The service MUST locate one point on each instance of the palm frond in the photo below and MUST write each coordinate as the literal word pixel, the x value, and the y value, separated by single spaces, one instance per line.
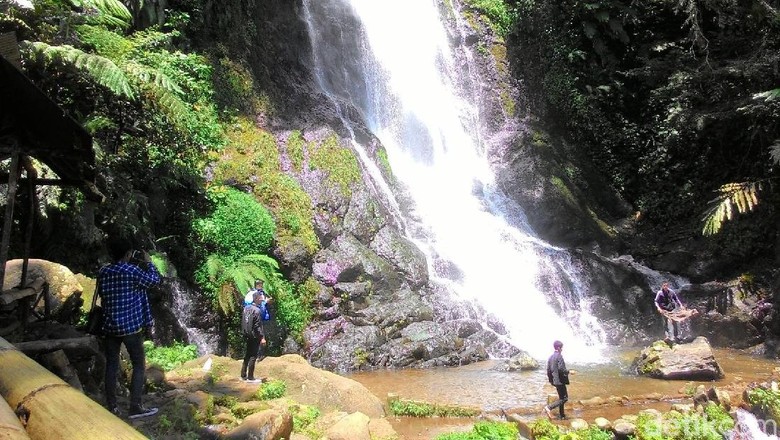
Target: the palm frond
pixel 161 90
pixel 102 70
pixel 109 12
pixel 774 151
pixel 769 95
pixel 743 196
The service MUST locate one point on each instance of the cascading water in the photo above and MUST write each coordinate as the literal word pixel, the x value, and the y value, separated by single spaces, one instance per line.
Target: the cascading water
pixel 392 61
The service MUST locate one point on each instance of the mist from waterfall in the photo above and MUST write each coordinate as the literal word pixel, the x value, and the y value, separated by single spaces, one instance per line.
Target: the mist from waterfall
pixel 392 61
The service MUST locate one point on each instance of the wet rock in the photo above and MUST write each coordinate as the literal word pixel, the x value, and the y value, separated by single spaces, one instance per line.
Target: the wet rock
pixel 602 423
pixel 352 427
pixel 272 424
pixel 578 424
pixel 520 362
pixel 623 429
pixel 682 408
pixel 390 244
pixel 693 361
pixel 593 401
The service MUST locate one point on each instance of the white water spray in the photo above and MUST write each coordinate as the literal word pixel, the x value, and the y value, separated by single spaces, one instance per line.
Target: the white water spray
pixel 392 61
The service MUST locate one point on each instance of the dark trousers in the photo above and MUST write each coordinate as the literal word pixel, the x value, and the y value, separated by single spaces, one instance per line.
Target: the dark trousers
pixel 135 348
pixel 563 397
pixel 250 357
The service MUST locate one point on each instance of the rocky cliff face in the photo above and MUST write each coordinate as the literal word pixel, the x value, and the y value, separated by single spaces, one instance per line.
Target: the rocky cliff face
pixel 377 305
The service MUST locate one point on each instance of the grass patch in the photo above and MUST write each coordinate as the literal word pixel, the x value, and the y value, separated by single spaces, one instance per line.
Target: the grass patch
pixel 169 357
pixel 404 407
pixel 271 390
pixel 485 431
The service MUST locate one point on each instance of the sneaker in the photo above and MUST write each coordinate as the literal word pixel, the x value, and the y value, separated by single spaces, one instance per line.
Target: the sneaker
pixel 253 380
pixel 561 418
pixel 547 412
pixel 142 411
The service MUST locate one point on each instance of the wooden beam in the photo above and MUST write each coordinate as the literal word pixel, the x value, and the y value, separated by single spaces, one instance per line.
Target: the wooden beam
pixel 52 408
pixel 9 214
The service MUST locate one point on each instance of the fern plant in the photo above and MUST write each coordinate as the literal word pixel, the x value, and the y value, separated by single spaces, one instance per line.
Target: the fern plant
pixel 742 197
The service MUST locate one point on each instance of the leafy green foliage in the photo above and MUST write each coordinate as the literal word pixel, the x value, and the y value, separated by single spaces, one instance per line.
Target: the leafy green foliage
pixel 405 407
pixel 271 390
pixel 544 429
pixel 234 238
pixel 767 400
pixel 238 226
pixel 742 196
pixel 102 70
pixel 655 106
pixel 498 13
pixel 304 417
pixel 484 431
pixel 169 357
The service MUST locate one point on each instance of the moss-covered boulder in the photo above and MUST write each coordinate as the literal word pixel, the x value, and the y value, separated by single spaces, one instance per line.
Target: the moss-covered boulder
pixel 692 361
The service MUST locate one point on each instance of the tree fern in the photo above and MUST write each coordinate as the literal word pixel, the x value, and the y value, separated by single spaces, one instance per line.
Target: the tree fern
pixel 231 278
pixel 110 13
pixel 742 196
pixel 102 70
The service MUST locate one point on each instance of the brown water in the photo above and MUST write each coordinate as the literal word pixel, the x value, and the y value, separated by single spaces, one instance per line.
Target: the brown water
pixel 526 392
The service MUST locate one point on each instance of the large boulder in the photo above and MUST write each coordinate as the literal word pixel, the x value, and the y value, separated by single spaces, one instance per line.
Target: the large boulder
pixel 62 282
pixel 693 361
pixel 323 389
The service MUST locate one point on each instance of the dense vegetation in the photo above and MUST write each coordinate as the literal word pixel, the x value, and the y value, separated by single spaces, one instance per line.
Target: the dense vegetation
pixel 160 112
pixel 673 99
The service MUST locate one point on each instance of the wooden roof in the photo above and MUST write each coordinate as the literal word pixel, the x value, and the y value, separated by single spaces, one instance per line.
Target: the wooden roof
pixel 34 125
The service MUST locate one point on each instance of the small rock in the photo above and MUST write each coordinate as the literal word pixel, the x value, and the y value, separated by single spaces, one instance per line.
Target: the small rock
pixel 578 424
pixel 602 423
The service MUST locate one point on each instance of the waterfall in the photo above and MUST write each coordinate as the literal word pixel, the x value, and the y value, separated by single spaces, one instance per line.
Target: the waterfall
pixel 190 319
pixel 392 62
pixel 749 428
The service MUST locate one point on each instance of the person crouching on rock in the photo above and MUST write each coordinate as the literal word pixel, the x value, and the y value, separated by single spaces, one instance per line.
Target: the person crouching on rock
pixel 667 301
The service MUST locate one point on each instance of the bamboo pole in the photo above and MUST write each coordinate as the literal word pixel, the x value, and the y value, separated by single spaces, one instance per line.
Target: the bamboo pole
pixel 53 409
pixel 10 426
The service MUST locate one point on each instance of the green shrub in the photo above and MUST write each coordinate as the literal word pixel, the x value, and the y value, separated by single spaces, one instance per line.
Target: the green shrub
pixel 766 400
pixel 544 429
pixel 304 417
pixel 271 390
pixel 485 431
pixel 169 357
pixel 238 225
pixel 404 407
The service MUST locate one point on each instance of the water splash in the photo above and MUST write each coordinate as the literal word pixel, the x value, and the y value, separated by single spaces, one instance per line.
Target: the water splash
pixel 392 62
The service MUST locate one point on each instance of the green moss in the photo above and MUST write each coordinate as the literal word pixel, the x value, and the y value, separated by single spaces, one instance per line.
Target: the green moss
pixel 340 164
pixel 508 103
pixel 384 161
pixel 295 144
pixel 293 210
pixel 252 159
pixel 564 190
pixel 540 139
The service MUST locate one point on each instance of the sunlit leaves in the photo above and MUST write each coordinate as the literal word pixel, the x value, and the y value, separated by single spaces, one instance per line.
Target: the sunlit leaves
pixel 102 70
pixel 740 197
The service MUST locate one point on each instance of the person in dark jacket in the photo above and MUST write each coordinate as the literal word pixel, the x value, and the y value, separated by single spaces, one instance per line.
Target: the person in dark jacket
pixel 252 329
pixel 558 376
pixel 667 301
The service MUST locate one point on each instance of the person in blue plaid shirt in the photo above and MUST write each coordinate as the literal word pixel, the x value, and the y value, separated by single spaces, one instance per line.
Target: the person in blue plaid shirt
pixel 122 288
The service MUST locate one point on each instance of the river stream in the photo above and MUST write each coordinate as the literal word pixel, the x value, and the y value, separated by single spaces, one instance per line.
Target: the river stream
pixel 526 392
